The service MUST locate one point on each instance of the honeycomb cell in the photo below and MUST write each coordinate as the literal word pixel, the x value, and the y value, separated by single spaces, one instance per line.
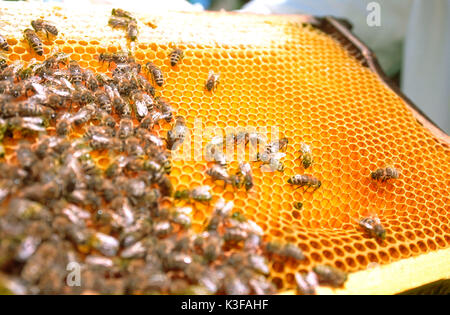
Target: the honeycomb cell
pixel 306 84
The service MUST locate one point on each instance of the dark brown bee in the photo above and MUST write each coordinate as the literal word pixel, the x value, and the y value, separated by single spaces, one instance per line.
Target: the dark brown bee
pixel 143 104
pixel 305 180
pixel 306 155
pixel 123 14
pixel 165 109
pixel 201 194
pixel 118 22
pixel 3 43
pixel 40 25
pixel 246 171
pixel 104 79
pixel 91 80
pixel 212 82
pixel 218 172
pixel 76 75
pixel 132 30
pixel 373 226
pixel 144 85
pixel 125 128
pixel 119 104
pixel 105 119
pixel 63 126
pixel 156 73
pixel 385 174
pixel 176 136
pixel 103 101
pixel 331 276
pixel 25 108
pixel 84 114
pixel 56 59
pixel 21 88
pixel 34 41
pixel 117 57
pixel 175 56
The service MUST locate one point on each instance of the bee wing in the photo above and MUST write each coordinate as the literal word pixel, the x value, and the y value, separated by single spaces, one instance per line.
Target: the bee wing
pixel 141 108
pixel 67 84
pixel 278 155
pixel 39 89
pixel 109 91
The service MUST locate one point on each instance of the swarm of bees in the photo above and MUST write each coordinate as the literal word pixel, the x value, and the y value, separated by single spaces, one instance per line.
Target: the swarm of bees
pixel 61 206
pixel 124 20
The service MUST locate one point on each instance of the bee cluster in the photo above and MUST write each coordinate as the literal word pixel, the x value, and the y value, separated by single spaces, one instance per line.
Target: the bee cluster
pixel 60 206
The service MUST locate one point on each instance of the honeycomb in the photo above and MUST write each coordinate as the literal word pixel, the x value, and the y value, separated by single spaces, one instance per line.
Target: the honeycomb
pixel 278 72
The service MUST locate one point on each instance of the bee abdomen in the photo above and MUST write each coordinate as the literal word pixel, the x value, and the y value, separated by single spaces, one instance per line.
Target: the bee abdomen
pixel 51 29
pixel 176 56
pixel 156 74
pixel 34 41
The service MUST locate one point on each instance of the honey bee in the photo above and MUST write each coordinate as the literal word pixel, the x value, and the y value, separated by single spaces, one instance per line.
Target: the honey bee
pixel 25 108
pixel 246 171
pixel 291 251
pixel 272 160
pixel 330 276
pixel 373 226
pixel 118 22
pixel 218 172
pixel 165 109
pixel 132 30
pixel 276 146
pixel 156 73
pixel 37 124
pixel 123 14
pixel 91 80
pixel 305 180
pixel 385 174
pixel 103 101
pixel 40 25
pixel 119 57
pixel 56 59
pixel 306 155
pixel 3 43
pixel 201 194
pixel 34 41
pixel 84 114
pixel 63 125
pixel 104 79
pixel 212 82
pixel 144 85
pixel 21 88
pixel 125 128
pixel 177 135
pixel 76 75
pixel 176 56
pixel 120 105
pixel 306 284
pixel 25 155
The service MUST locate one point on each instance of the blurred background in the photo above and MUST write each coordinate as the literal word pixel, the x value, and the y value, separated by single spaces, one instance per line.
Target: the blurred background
pixel 411 38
